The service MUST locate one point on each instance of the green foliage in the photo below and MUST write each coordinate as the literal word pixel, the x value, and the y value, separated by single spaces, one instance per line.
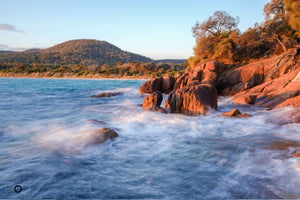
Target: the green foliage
pixel 224 51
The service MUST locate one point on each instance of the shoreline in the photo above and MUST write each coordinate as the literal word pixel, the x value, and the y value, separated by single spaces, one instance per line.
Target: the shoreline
pixel 35 76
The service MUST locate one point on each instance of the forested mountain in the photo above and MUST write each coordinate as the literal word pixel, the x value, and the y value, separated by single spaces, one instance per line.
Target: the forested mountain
pixel 83 51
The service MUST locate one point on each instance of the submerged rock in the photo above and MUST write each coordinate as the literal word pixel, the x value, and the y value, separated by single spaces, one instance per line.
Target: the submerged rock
pixel 97 121
pixel 103 134
pixel 283 144
pixel 153 101
pixel 107 94
pixel 193 100
pixel 235 113
pixel 288 117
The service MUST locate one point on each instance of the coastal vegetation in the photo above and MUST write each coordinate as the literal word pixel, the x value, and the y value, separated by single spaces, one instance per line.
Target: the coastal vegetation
pixel 218 37
pixel 118 70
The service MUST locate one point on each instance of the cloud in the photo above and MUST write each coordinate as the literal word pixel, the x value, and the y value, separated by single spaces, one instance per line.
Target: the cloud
pixel 3 47
pixel 9 27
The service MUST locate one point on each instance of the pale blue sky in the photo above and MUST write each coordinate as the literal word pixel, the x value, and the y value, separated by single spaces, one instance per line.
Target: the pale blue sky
pixel 154 28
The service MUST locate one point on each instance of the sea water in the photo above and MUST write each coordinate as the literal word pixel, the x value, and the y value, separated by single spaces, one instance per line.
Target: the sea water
pixel 46 125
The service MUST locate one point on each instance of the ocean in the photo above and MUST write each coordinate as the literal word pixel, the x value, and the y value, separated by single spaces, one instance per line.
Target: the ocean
pixel 46 126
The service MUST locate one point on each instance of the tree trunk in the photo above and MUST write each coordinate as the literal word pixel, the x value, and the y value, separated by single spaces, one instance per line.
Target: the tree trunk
pixel 276 37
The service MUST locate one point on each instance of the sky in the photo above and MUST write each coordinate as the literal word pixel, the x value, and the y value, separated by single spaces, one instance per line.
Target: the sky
pixel 158 29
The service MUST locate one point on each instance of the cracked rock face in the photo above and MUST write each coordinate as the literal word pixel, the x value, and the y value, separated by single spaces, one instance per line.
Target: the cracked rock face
pixel 260 72
pixel 193 100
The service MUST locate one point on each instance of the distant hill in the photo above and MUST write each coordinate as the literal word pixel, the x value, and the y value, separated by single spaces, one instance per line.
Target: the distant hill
pixel 83 51
pixel 6 51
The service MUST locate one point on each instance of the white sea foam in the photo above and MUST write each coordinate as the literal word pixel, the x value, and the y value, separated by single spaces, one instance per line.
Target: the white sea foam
pixel 64 139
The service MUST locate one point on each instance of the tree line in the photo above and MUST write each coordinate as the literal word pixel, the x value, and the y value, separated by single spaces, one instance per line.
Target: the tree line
pixel 134 69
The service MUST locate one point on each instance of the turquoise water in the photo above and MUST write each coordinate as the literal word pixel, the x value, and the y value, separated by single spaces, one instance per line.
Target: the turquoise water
pixel 45 126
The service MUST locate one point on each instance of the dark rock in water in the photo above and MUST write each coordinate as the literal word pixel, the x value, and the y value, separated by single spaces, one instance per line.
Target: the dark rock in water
pixel 162 110
pixel 193 100
pixel 107 94
pixel 152 85
pixel 235 113
pixel 103 134
pixel 97 121
pixel 153 101
pixel 288 117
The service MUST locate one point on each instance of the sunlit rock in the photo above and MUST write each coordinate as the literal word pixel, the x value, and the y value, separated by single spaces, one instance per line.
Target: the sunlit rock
pixel 235 113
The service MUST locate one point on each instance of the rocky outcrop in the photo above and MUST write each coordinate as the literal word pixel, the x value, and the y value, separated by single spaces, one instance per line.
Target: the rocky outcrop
pixel 272 83
pixel 294 101
pixel 235 113
pixel 193 100
pixel 102 135
pixel 107 94
pixel 164 85
pixel 152 85
pixel 153 101
pixel 276 93
pixel 202 74
pixel 251 75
